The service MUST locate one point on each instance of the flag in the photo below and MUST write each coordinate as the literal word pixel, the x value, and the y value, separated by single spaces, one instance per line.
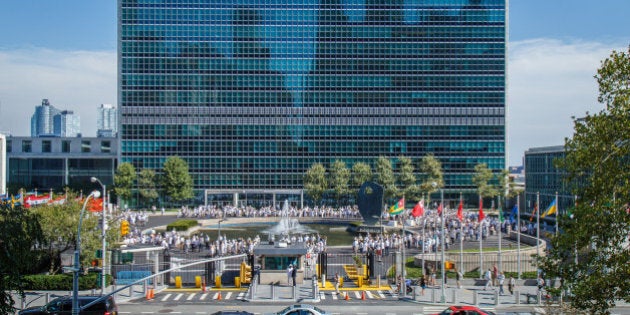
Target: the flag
pixel 501 216
pixel 96 204
pixel 481 215
pixel 514 213
pixel 439 209
pixel 418 209
pixel 460 211
pixel 553 208
pixel 398 208
pixel 531 218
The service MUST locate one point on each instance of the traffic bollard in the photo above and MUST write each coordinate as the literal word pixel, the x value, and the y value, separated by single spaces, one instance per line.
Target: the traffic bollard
pixel 475 298
pixel 454 296
pixel 496 297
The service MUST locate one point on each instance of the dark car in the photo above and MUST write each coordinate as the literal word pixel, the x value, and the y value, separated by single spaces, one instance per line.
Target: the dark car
pixel 231 312
pixel 302 309
pixel 464 310
pixel 63 306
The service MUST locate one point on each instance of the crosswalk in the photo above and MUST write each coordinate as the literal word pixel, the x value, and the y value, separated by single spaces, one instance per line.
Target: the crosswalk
pixel 242 295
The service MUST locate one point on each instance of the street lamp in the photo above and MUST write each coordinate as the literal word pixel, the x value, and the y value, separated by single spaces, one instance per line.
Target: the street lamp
pixel 442 232
pixel 77 254
pixel 103 235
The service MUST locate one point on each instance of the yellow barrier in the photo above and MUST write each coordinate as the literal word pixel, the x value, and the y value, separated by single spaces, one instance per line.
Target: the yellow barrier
pixel 217 282
pixel 360 282
pixel 197 281
pixel 237 282
pixel 340 281
pixel 178 282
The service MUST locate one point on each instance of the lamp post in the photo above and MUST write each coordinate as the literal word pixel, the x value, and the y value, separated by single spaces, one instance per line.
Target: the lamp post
pixel 103 235
pixel 77 254
pixel 443 298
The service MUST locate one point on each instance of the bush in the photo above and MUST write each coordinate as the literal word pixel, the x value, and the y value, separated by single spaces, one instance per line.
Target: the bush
pixel 63 282
pixel 181 225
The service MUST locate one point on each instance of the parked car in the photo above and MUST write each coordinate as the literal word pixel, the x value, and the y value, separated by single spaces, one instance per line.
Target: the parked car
pixel 301 309
pixel 63 306
pixel 464 310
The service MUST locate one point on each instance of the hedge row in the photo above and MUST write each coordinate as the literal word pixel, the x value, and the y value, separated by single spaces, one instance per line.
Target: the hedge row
pixel 181 225
pixel 63 282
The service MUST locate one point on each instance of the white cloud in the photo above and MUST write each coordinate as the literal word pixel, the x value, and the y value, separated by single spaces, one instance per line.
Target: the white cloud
pixel 548 82
pixel 72 80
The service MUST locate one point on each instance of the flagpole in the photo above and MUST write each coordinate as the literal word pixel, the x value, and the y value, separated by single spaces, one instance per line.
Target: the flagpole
pixel 403 285
pixel 443 299
pixel 500 227
pixel 480 242
pixel 461 238
pixel 557 212
pixel 518 236
pixel 537 228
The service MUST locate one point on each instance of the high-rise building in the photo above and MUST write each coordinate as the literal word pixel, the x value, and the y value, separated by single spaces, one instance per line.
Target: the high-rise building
pixel 107 121
pixel 67 124
pixel 42 121
pixel 251 93
pixel 48 121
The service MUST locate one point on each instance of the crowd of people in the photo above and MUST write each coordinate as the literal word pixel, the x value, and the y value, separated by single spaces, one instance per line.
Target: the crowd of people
pixel 214 211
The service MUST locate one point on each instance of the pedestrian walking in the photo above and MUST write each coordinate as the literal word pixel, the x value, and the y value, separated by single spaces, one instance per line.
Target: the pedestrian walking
pixel 294 274
pixel 511 285
pixel 289 274
pixel 495 274
pixel 501 280
pixel 423 283
pixel 540 282
pixel 337 283
pixel 488 277
pixel 458 278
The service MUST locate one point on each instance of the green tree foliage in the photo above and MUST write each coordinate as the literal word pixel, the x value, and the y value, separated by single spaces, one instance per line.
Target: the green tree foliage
pixel 481 178
pixel 597 163
pixel 146 186
pixel 339 179
pixel 60 223
pixel 19 232
pixel 431 170
pixel 176 179
pixel 407 179
pixel 385 177
pixel 361 173
pixel 123 180
pixel 315 182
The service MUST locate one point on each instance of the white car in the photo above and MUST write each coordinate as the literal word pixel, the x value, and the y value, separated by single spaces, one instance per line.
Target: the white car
pixel 301 309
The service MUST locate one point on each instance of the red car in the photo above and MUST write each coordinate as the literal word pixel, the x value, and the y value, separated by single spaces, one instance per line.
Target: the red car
pixel 464 310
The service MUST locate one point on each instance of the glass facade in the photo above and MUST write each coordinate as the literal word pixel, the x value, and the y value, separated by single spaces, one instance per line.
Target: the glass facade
pixel 543 177
pixel 251 93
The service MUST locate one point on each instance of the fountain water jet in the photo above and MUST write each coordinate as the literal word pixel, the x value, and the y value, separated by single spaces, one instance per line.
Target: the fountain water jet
pixel 287 225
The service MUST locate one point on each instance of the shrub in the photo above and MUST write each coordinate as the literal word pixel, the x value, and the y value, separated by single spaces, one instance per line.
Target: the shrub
pixel 63 282
pixel 181 225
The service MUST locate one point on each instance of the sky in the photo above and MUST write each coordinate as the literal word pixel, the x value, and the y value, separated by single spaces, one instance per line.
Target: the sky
pixel 65 51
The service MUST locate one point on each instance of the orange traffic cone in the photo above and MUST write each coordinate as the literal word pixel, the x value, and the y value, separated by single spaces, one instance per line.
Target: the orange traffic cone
pixel 149 294
pixel 363 295
pixel 219 298
pixel 347 297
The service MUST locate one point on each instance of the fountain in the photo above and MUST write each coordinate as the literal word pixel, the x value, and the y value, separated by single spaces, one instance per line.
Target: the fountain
pixel 288 225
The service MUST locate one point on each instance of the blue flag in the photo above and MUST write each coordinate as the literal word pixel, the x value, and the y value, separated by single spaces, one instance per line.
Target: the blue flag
pixel 514 213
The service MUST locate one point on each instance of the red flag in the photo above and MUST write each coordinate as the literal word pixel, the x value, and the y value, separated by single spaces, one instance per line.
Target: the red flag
pixel 481 215
pixel 440 209
pixel 531 218
pixel 96 205
pixel 418 209
pixel 460 211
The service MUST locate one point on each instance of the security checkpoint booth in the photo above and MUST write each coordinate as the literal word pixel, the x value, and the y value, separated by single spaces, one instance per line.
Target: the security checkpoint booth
pixel 275 257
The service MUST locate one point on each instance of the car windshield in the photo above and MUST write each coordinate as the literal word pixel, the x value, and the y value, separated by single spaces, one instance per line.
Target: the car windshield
pixel 447 311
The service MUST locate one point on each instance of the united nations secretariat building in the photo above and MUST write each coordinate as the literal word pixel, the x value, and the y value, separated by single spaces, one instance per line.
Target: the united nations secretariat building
pixel 251 93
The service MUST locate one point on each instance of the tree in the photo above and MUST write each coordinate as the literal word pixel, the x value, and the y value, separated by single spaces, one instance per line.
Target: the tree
pixel 146 186
pixel 315 182
pixel 59 224
pixel 597 164
pixel 385 177
pixel 481 179
pixel 339 179
pixel 361 173
pixel 19 233
pixel 407 179
pixel 431 169
pixel 176 180
pixel 123 180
